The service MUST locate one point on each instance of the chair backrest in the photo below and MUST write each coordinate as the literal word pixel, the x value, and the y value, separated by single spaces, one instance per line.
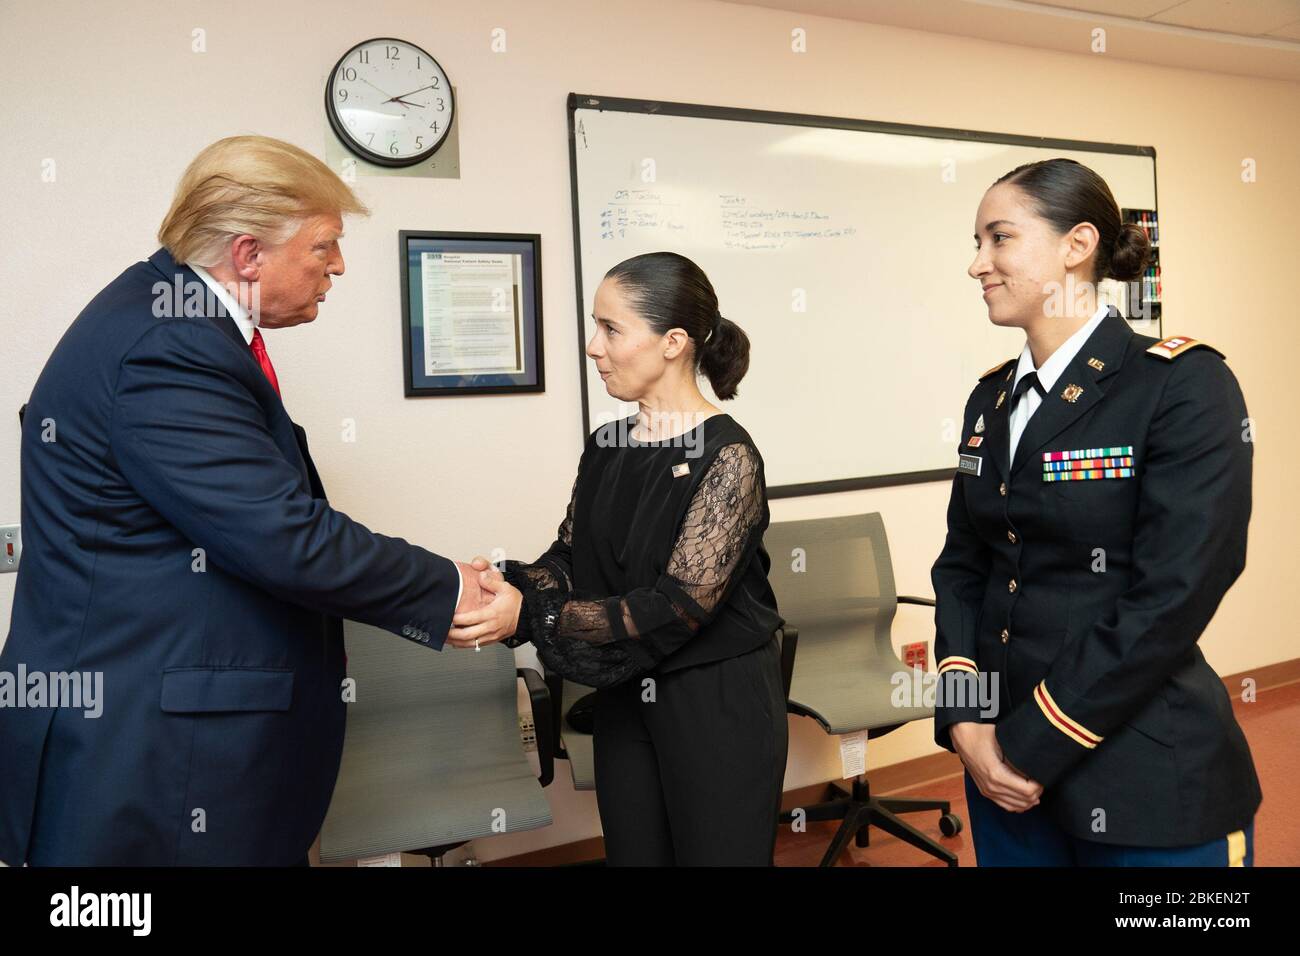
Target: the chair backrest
pixel 833 569
pixel 834 581
pixel 433 754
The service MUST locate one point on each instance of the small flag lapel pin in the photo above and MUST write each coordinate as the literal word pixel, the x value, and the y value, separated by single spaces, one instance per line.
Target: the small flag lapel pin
pixel 683 469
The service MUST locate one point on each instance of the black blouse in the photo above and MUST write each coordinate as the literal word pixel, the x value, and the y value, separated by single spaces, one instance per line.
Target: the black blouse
pixel 659 562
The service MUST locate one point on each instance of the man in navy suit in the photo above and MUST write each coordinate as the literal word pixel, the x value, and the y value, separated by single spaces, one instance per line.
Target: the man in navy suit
pixel 178 543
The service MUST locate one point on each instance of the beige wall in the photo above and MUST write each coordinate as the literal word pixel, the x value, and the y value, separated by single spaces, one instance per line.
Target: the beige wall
pixel 113 93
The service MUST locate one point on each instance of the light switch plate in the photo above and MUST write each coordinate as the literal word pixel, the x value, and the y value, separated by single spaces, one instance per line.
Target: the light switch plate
pixel 11 547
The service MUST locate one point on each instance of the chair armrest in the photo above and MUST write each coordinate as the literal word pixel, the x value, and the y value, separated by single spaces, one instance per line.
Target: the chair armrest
pixel 789 645
pixel 909 599
pixel 539 696
pixel 556 683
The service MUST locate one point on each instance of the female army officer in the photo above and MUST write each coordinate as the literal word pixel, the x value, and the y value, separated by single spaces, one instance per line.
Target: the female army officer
pixel 1096 520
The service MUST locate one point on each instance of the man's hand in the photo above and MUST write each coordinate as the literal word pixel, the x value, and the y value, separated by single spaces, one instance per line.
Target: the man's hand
pixel 978 748
pixel 481 563
pixel 495 620
pixel 471 595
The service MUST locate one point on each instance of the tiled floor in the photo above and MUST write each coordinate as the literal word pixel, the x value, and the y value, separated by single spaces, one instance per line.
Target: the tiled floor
pixel 1271 725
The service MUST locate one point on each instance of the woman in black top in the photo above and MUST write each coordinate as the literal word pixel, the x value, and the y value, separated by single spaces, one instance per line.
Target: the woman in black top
pixel 655 591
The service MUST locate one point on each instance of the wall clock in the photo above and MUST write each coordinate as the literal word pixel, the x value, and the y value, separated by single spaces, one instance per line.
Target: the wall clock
pixel 389 102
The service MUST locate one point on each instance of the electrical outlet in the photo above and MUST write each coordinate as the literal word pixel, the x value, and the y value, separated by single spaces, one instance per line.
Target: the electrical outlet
pixel 11 547
pixel 528 732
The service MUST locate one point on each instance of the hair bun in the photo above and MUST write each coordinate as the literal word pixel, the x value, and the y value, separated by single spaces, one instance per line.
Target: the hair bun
pixel 1131 254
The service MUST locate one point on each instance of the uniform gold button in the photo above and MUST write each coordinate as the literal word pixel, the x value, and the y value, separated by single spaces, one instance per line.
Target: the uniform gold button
pixel 1011 536
pixel 1006 635
pixel 1012 586
pixel 1002 489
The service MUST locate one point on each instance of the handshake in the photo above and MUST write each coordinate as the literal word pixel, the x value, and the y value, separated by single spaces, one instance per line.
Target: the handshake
pixel 489 607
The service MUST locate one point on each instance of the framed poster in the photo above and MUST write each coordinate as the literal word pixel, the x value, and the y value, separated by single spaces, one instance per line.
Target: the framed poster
pixel 471 313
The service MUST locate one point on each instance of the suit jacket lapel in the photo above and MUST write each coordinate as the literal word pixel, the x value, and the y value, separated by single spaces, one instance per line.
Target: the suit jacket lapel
pixel 1078 388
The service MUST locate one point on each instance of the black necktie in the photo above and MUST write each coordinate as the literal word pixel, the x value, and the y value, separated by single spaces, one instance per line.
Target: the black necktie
pixel 1022 386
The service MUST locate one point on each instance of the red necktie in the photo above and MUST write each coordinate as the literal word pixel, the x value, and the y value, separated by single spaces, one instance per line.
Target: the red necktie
pixel 264 360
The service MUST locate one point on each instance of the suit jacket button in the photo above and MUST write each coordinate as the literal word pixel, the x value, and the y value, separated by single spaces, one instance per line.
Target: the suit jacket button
pixel 1012 586
pixel 406 630
pixel 1002 489
pixel 1011 536
pixel 1006 635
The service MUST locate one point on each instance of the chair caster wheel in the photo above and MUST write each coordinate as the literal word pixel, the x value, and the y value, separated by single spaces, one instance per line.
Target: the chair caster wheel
pixel 950 824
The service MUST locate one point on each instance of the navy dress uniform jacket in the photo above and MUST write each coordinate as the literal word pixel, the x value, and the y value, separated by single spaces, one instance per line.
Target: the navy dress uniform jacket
pixel 1087 597
pixel 221 732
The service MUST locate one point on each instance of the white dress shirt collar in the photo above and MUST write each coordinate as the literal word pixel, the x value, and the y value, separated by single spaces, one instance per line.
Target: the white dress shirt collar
pixel 243 320
pixel 1063 356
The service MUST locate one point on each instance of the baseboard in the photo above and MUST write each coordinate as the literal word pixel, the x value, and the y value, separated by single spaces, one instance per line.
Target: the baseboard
pixel 896 777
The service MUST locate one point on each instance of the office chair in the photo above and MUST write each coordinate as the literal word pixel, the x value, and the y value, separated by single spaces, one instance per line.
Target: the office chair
pixel 432 758
pixel 834 580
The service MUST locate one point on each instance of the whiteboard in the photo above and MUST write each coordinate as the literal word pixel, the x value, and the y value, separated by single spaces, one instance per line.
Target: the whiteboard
pixel 840 247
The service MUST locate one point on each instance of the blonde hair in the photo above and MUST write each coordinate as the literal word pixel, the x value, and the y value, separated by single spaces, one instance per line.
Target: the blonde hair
pixel 249 184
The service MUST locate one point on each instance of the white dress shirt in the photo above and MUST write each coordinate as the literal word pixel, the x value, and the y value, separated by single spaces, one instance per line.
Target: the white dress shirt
pixel 244 322
pixel 1047 376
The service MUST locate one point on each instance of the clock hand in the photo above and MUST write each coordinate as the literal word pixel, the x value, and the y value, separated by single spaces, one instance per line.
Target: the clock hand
pixel 391 98
pixel 404 103
pixel 372 86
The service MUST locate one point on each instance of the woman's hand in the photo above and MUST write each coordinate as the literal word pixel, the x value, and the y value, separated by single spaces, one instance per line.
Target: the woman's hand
pixel 494 621
pixel 977 745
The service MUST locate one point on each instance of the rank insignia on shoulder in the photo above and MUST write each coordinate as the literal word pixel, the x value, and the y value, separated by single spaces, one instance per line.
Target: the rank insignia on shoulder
pixel 1174 346
pixel 1001 397
pixel 996 368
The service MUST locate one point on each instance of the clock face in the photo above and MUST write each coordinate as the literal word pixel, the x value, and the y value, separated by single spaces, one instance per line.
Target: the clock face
pixel 389 102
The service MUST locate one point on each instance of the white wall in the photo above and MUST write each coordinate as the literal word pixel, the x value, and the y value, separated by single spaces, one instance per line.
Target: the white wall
pixel 113 93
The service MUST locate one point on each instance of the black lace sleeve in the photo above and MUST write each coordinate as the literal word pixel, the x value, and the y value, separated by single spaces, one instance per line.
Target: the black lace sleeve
pixel 605 642
pixel 546 580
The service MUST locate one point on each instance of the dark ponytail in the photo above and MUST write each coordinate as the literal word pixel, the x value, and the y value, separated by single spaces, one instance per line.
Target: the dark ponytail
pixel 1066 193
pixel 725 358
pixel 670 291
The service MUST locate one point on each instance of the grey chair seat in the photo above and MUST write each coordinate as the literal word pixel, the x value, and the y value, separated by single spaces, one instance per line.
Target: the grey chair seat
pixel 432 754
pixel 845 682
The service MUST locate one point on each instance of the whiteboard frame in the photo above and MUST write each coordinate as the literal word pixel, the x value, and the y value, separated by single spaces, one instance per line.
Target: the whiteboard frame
pixel 586 101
